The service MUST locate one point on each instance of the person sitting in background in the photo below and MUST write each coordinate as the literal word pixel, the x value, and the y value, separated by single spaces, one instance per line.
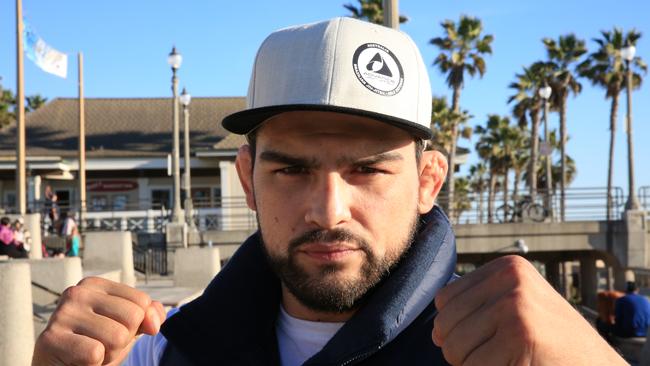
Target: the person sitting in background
pixel 7 243
pixel 606 312
pixel 22 237
pixel 632 314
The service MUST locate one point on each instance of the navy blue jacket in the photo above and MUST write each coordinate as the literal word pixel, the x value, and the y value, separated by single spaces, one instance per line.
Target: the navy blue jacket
pixel 233 321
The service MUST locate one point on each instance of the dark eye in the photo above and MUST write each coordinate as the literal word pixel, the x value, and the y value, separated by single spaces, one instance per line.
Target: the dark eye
pixel 367 170
pixel 293 170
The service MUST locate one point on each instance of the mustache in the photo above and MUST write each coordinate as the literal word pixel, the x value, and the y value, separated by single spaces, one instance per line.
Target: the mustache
pixel 335 235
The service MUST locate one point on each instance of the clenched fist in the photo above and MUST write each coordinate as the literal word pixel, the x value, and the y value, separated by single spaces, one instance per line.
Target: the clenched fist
pixel 96 323
pixel 505 313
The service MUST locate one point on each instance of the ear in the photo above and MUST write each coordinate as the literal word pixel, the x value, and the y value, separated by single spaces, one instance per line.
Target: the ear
pixel 433 171
pixel 244 165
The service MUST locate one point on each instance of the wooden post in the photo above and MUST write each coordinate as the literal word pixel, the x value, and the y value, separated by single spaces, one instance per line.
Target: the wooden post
pixel 82 146
pixel 20 114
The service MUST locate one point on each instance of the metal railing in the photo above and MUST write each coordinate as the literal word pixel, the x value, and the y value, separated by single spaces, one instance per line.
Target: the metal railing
pixel 581 204
pixel 150 260
pixel 644 198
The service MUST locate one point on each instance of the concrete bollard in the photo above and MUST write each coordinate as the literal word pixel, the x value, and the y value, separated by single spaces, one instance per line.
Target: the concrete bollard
pixel 195 267
pixel 16 324
pixel 110 250
pixel 56 274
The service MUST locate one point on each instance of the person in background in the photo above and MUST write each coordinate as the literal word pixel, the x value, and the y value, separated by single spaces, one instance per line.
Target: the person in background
pixel 22 236
pixel 70 232
pixel 632 314
pixel 7 243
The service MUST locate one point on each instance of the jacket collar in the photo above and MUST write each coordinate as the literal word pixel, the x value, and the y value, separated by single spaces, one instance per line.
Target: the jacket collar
pixel 234 319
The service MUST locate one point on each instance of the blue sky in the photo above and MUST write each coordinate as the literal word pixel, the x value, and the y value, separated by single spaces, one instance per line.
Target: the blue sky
pixel 125 46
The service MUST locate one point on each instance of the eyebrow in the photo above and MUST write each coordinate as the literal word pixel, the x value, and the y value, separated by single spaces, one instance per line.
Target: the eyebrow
pixel 281 158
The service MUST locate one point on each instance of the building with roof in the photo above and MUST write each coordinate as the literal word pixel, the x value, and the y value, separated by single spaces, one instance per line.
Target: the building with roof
pixel 128 144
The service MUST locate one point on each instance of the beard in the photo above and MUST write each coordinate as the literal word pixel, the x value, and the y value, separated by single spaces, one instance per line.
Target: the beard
pixel 324 289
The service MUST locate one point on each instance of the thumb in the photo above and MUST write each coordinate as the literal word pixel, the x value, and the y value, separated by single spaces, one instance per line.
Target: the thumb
pixel 154 315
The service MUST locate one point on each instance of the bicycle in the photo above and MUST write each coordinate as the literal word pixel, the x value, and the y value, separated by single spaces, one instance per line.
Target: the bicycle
pixel 525 208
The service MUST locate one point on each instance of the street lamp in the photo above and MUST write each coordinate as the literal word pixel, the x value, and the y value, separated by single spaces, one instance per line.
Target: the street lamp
pixel 521 246
pixel 185 101
pixel 174 60
pixel 627 53
pixel 545 93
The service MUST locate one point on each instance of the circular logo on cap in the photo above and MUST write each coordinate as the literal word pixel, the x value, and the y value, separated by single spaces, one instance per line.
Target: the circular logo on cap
pixel 378 69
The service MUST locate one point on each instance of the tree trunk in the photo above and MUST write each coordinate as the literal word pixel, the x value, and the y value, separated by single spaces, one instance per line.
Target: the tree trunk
pixel 610 167
pixel 452 153
pixel 515 193
pixel 493 182
pixel 506 214
pixel 534 148
pixel 480 203
pixel 563 100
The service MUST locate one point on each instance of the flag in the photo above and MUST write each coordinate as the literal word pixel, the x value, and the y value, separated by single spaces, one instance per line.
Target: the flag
pixel 44 56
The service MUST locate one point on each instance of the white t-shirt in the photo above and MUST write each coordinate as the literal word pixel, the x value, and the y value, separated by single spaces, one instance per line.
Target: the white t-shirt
pixel 299 339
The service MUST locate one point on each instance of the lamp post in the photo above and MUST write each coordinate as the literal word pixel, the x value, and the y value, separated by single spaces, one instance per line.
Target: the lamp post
pixel 627 53
pixel 545 93
pixel 174 60
pixel 185 101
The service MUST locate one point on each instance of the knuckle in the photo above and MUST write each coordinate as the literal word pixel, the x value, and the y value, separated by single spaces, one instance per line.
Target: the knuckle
pixel 90 281
pixel 73 294
pixel 119 338
pixel 134 317
pixel 94 355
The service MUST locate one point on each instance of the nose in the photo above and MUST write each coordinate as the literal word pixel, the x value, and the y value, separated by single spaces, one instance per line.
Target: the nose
pixel 328 204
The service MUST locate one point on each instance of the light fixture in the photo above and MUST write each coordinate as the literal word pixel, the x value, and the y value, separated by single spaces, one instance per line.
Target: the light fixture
pixel 545 92
pixel 628 53
pixel 174 59
pixel 185 98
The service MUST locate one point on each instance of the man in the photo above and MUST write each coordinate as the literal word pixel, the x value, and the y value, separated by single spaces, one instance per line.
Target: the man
pixel 351 251
pixel 632 314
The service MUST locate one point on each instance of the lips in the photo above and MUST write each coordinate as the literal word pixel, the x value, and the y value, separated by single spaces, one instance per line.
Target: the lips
pixel 328 252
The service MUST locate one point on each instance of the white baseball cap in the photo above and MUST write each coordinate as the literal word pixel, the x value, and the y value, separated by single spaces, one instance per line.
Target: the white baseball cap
pixel 340 65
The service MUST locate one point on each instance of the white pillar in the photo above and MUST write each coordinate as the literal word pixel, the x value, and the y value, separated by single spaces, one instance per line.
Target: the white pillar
pixel 144 202
pixel 16 320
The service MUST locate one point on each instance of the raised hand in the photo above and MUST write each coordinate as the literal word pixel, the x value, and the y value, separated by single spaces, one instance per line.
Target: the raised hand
pixel 506 313
pixel 96 323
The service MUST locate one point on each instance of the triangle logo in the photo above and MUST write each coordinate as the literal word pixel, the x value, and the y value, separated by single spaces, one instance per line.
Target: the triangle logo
pixel 378 65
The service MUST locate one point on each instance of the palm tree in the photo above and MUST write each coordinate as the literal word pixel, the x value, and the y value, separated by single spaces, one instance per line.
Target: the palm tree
pixel 462 200
pixel 34 102
pixel 461 51
pixel 564 54
pixel 606 68
pixel 371 11
pixel 442 121
pixel 556 169
pixel 529 104
pixel 478 183
pixel 492 146
pixel 520 157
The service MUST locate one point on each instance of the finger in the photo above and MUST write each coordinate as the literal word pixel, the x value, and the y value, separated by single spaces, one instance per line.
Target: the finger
pixel 478 296
pixel 161 310
pixel 473 278
pixel 119 309
pixel 500 350
pixel 117 289
pixel 152 321
pixel 68 349
pixel 111 334
pixel 468 334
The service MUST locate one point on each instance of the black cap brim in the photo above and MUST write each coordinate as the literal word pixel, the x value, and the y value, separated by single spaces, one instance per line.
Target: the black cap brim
pixel 247 120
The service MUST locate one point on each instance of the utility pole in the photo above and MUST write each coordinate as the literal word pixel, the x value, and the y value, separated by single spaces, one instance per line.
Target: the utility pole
pixel 82 145
pixel 391 13
pixel 20 114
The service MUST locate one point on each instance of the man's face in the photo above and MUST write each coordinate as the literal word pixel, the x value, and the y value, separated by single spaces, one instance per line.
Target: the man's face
pixel 337 203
